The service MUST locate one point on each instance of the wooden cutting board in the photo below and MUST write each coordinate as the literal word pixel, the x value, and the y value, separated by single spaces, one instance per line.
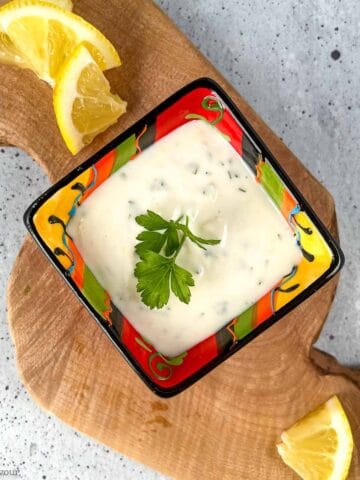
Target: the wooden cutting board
pixel 227 425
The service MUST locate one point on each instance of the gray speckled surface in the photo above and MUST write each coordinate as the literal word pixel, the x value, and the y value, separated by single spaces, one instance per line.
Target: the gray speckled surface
pixel 279 56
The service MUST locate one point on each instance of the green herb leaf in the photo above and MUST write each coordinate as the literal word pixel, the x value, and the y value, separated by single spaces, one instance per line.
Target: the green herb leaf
pixel 153 274
pixel 152 221
pixel 153 241
pixel 172 239
pixel 194 238
pixel 181 280
pixel 158 273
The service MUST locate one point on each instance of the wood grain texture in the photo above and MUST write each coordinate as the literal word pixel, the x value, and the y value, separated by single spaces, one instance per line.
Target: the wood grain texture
pixel 226 426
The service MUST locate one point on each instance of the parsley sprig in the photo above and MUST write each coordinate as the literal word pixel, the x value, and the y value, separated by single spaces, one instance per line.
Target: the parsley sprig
pixel 159 245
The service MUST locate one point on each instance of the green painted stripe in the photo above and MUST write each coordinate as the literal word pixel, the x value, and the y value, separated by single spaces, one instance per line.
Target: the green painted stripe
pixel 244 323
pixel 272 183
pixel 124 152
pixel 94 292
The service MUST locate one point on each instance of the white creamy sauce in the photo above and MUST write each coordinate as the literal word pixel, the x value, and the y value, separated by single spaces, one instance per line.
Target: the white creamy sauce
pixel 192 171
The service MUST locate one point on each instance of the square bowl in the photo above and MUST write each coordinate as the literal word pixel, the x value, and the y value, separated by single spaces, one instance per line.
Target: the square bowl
pixel 47 219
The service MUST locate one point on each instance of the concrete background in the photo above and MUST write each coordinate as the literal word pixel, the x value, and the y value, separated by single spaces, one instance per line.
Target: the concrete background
pixel 297 62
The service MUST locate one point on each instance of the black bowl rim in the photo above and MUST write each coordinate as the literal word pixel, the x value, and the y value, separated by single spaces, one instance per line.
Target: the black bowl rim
pixel 338 256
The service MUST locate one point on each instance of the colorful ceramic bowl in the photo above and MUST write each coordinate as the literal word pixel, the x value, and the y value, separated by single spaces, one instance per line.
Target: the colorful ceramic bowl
pixel 47 219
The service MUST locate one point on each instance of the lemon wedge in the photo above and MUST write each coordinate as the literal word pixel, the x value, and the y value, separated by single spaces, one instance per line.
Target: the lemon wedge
pixel 320 445
pixel 41 35
pixel 10 54
pixel 83 103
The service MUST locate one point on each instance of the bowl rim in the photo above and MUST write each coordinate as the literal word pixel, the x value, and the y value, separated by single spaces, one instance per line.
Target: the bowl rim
pixel 336 265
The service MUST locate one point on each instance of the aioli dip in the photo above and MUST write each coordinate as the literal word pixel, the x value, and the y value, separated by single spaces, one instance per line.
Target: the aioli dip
pixel 192 171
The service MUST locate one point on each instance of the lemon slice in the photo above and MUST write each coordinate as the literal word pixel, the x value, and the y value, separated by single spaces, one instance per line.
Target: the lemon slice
pixel 83 103
pixel 320 445
pixel 10 54
pixel 41 36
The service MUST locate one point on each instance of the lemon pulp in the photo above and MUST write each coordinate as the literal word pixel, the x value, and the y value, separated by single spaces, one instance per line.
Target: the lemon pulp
pixel 320 445
pixel 41 35
pixel 83 103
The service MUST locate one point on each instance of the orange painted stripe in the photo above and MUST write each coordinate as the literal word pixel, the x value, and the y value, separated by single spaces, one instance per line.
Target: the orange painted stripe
pixel 258 170
pixel 103 168
pixel 107 312
pixel 263 309
pixel 137 144
pixel 78 272
pixel 288 203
